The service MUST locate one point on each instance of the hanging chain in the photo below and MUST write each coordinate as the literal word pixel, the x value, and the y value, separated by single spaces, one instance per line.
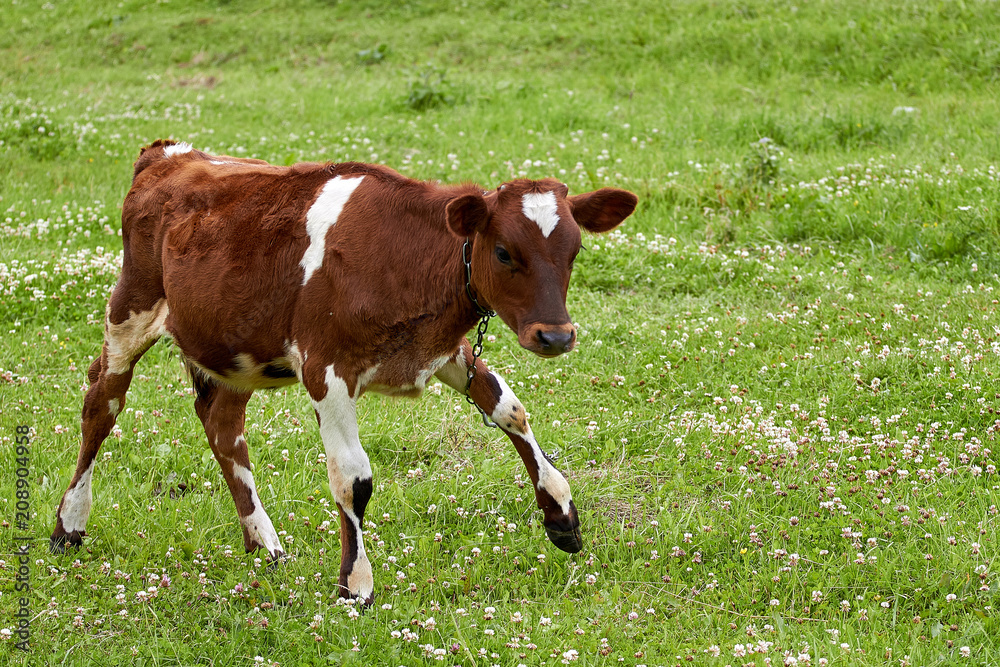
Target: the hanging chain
pixel 477 350
pixel 484 322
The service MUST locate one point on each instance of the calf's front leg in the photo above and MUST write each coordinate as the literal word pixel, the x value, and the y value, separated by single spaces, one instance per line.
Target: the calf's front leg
pixel 492 394
pixel 350 474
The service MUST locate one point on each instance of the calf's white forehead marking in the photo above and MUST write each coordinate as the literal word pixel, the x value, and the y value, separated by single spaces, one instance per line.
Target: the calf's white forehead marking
pixel 323 215
pixel 540 208
pixel 177 149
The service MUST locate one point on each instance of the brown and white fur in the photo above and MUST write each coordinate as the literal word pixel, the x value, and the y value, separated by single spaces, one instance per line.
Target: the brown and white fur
pixel 347 278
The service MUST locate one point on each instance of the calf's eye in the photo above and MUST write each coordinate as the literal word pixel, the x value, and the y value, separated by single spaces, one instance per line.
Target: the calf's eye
pixel 503 255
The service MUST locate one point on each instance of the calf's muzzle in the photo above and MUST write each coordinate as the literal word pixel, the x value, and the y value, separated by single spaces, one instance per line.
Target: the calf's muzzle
pixel 548 340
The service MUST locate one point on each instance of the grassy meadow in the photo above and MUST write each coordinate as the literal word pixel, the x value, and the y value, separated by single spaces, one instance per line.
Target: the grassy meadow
pixel 779 422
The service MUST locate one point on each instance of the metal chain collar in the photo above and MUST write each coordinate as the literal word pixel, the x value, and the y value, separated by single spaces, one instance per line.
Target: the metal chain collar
pixel 484 322
pixel 482 312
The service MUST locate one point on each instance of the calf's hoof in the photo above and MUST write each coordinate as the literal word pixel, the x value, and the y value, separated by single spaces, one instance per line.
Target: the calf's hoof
pixel 358 598
pixel 252 546
pixel 275 561
pixel 564 529
pixel 570 541
pixel 61 540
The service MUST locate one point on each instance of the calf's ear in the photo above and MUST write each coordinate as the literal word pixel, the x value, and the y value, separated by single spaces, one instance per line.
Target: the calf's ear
pixel 467 214
pixel 602 210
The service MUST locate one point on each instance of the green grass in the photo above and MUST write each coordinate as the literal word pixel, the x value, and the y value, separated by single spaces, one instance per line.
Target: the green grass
pixel 780 422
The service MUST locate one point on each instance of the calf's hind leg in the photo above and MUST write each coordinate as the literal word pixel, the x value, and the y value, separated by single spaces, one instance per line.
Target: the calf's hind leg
pixel 223 414
pixel 128 333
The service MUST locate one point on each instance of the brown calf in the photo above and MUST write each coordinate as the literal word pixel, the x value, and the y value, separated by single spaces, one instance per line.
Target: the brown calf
pixel 345 277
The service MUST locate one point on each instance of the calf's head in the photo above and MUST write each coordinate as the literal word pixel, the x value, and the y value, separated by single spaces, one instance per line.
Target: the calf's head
pixel 525 236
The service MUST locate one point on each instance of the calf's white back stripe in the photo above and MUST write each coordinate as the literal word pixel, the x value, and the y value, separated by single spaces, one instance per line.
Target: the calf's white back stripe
pixel 323 215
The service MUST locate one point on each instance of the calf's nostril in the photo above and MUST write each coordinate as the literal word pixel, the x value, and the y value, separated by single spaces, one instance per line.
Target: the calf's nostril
pixel 543 339
pixel 556 340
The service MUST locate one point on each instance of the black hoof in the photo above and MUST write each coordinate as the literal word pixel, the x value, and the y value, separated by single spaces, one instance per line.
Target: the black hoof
pixel 361 603
pixel 570 541
pixel 564 530
pixel 59 543
pixel 274 562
